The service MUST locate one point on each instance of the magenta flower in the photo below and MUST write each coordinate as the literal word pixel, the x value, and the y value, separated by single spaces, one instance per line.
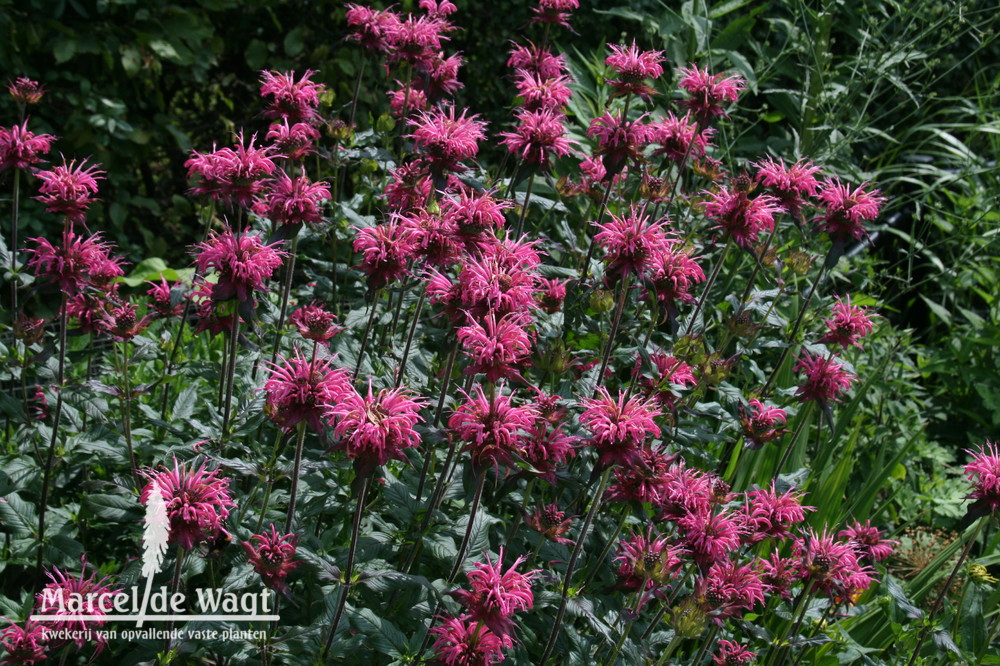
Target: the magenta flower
pixel 546 446
pixel 371 27
pixel 730 588
pixel 832 566
pixel 496 595
pixel 494 285
pixel 551 294
pixel 644 482
pixel 868 541
pixel 125 322
pixel 846 210
pixel 825 379
pixel 438 76
pixel 463 641
pixel 538 137
pixel 847 325
pixel 647 557
pixel 493 429
pixel 446 140
pixel 669 372
pixel 386 251
pixel 435 237
pixel 619 427
pixel 709 537
pixel 633 67
pixel 761 425
pixel 683 491
pixel 272 557
pixel 26 91
pixel 243 263
pixel 733 654
pixel 631 241
pixel 768 515
pixel 409 188
pixel 416 39
pixel 291 100
pixel 551 523
pixel 25 645
pixel 235 176
pixel 162 301
pixel 69 188
pixel 315 323
pixel 619 141
pixel 197 500
pixel 779 574
pixel 299 390
pixel 540 93
pixel 474 215
pixel 437 8
pixel 739 215
pixel 294 142
pixel 678 138
pixel 404 101
pixel 21 148
pixel 554 11
pixel 984 473
pixel 495 345
pixel 670 274
pixel 791 185
pixel 537 60
pixel 708 92
pixel 75 265
pixel 95 595
pixel 376 428
pixel 298 201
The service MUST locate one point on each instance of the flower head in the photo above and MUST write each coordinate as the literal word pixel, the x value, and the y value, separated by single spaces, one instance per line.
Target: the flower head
pixel 463 641
pixel 825 379
pixel 409 188
pixel 232 175
pixel 768 514
pixel 540 93
pixel 298 201
pixel 648 557
pixel 790 184
pixel 708 92
pixel 733 654
pixel 984 473
pixel 294 141
pixel 538 136
pixel 868 541
pixel 272 557
pixel 632 242
pixel 619 427
pixel 21 148
pixel 493 429
pixel 537 60
pixel 496 346
pixel 551 294
pixel 832 566
pixel 551 523
pixel 299 390
pixel 75 265
pixel 69 188
pixel 709 537
pixel 71 595
pixel 405 101
pixel 633 67
pixel 295 101
pixel 496 595
pixel 24 645
pixel 197 500
pixel 26 91
pixel 315 323
pixel 742 217
pixel 554 11
pixel 619 140
pixel 761 424
pixel 375 428
pixel 847 324
pixel 161 299
pixel 671 273
pixel 678 138
pixel 446 140
pixel 386 251
pixel 373 28
pixel 243 263
pixel 729 588
pixel 845 210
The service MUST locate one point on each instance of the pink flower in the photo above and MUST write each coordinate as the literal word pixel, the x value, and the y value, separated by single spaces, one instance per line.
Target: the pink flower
pixel 768 515
pixel 496 595
pixel 761 426
pixel 670 274
pixel 546 446
pixel 76 264
pixel 162 301
pixel 846 210
pixel 406 101
pixel 438 76
pixel 619 427
pixel 679 138
pixel 554 11
pixel 631 242
pixel 493 429
pixel 126 323
pixel 294 142
pixel 539 93
pixel 26 91
pixel 644 482
pixel 868 541
pixel 739 215
pixel 438 7
pixel 298 201
pixel 463 641
pixel 386 251
pixel 537 60
pixel 495 345
pixel 831 566
pixel 984 474
pixel 272 557
pixel 444 139
pixel 197 500
pixel 683 490
pixel 376 428
pixel 25 645
pixel 292 100
pixel 474 214
pixel 371 27
pixel 709 537
pixel 729 588
pixel 243 264
pixel 619 140
pixel 20 148
pixel 779 574
pixel 551 294
pixel 94 595
pixel 551 523
pixel 733 654
pixel 792 185
pixel 669 372
pixel 633 67
pixel 647 557
pixel 68 189
pixel 315 323
pixel 708 92
pixel 300 390
pixel 235 176
pixel 825 379
pixel 434 236
pixel 492 284
pixel 847 325
pixel 409 188
pixel 538 136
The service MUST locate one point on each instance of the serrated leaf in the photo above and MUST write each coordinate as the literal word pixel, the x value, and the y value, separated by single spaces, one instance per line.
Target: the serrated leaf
pixel 386 637
pixel 18 516
pixel 113 507
pixel 184 405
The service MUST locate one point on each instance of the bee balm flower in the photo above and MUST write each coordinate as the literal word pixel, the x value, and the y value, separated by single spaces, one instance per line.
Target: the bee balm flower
pixel 197 500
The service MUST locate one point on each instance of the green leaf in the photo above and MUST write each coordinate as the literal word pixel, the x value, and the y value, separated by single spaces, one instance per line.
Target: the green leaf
pixel 973 623
pixel 18 516
pixel 387 638
pixel 113 507
pixel 64 50
pixel 295 41
pixel 184 405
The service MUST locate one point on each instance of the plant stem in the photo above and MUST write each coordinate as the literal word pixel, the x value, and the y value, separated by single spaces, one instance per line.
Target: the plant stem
pixel 577 549
pixel 127 413
pixel 43 501
pixel 803 418
pixel 674 642
pixel 474 509
pixel 285 291
pixel 300 439
pixel 368 329
pixel 13 244
pixel 409 338
pixel 609 345
pixel 234 336
pixel 708 286
pixel 349 569
pixel 524 205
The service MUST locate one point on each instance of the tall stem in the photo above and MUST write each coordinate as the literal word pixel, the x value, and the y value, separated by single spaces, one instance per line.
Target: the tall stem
pixel 803 418
pixel 285 291
pixel 409 338
pixel 584 270
pixel 571 567
pixel 13 243
pixel 476 498
pixel 708 286
pixel 300 439
pixel 127 412
pixel 524 205
pixel 349 569
pixel 234 337
pixel 43 501
pixel 368 329
pixel 610 344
